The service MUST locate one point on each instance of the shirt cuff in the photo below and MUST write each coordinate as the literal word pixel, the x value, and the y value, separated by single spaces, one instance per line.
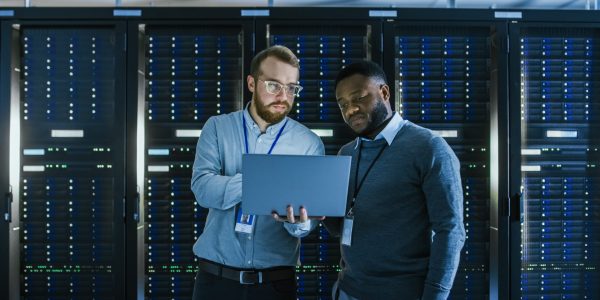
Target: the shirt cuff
pixel 298 229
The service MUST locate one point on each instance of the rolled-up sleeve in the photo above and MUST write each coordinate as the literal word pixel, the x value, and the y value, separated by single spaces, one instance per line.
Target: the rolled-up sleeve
pixel 300 229
pixel 211 189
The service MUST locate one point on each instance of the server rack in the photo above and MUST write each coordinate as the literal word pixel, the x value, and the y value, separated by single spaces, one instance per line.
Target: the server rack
pixel 322 47
pixel 555 98
pixel 445 78
pixel 67 104
pixel 187 72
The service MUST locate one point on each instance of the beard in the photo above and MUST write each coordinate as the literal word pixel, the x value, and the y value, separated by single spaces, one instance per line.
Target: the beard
pixel 270 117
pixel 378 117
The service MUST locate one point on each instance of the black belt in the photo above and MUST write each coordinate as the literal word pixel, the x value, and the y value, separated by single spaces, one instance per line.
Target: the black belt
pixel 248 276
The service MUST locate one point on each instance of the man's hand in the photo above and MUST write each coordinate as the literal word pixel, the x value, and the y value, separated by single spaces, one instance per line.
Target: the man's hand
pixel 295 219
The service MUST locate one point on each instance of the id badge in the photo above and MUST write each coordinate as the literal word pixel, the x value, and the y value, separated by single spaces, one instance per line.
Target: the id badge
pixel 347 231
pixel 244 223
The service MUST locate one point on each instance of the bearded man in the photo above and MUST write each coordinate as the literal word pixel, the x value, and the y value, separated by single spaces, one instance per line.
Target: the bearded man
pixel 244 256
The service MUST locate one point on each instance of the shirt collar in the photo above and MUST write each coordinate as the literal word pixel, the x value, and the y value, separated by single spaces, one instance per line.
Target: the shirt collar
pixel 390 130
pixel 272 129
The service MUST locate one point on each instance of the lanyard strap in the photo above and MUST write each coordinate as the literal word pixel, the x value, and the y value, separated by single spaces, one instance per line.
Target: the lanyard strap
pixel 358 184
pixel 274 142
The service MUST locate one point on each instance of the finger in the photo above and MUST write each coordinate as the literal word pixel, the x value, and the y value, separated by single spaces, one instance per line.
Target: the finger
pixel 290 214
pixel 277 217
pixel 303 215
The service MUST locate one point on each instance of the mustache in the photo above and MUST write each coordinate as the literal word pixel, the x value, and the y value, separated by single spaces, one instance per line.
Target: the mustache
pixel 287 105
pixel 357 115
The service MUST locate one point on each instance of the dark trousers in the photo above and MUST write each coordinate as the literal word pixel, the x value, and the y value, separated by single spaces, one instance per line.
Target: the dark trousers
pixel 211 287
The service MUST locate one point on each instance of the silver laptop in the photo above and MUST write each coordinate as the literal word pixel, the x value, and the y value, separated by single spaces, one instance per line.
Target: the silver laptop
pixel 272 182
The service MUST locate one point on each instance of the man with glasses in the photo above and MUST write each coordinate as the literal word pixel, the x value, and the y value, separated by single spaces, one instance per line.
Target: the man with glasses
pixel 244 256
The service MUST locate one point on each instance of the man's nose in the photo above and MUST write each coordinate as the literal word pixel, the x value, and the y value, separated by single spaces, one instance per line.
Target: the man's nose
pixel 283 95
pixel 352 109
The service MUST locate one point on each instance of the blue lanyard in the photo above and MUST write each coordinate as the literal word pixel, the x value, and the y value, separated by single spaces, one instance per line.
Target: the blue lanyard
pixel 274 142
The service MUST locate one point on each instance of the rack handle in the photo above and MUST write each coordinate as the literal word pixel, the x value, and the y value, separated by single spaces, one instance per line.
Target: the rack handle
pixel 9 199
pixel 136 212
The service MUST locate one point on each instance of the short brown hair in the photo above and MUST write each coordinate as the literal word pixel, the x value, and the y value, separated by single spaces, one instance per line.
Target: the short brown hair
pixel 282 53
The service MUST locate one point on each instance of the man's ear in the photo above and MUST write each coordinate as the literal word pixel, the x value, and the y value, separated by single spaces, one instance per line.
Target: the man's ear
pixel 385 92
pixel 251 83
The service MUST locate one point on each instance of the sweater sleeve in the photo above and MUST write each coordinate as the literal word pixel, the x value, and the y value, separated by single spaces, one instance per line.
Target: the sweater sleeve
pixel 443 193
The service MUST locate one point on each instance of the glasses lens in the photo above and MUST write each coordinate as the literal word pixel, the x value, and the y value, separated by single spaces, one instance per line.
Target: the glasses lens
pixel 273 87
pixel 290 90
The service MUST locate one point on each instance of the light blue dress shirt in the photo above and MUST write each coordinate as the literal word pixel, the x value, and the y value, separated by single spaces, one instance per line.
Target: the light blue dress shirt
pixel 217 185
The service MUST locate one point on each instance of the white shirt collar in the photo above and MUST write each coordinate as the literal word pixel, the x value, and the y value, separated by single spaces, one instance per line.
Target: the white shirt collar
pixel 390 130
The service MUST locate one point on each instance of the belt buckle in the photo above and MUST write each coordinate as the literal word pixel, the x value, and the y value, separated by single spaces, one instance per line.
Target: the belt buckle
pixel 260 277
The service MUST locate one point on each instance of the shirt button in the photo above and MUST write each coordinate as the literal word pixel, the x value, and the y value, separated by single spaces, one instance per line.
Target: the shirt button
pixel 260 140
pixel 249 237
pixel 248 262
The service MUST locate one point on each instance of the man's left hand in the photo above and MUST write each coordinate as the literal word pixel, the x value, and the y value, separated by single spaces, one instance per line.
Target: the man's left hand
pixel 295 219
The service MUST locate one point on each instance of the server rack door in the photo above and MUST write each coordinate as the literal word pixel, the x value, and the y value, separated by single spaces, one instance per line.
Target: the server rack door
pixel 322 48
pixel 560 156
pixel 189 74
pixel 441 80
pixel 70 177
pixel 4 160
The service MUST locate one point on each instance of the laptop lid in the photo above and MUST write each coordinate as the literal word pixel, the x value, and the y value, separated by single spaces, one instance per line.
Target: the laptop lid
pixel 272 182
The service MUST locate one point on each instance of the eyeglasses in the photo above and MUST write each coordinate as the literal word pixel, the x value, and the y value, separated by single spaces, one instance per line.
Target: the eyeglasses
pixel 274 88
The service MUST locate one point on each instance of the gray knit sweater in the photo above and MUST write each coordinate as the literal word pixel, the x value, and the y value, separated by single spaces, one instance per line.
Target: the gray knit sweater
pixel 414 188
